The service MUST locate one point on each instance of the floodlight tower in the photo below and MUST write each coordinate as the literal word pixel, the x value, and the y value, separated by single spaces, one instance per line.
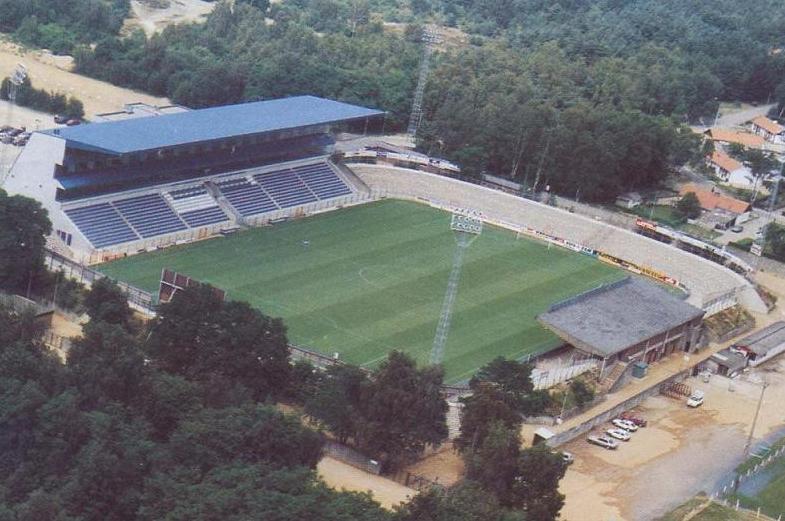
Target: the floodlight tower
pixel 467 226
pixel 429 38
pixel 16 79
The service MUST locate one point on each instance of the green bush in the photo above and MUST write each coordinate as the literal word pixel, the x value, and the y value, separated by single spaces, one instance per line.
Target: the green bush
pixel 38 99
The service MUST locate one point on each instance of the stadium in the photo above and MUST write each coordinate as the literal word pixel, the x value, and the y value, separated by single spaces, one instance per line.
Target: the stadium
pixel 358 258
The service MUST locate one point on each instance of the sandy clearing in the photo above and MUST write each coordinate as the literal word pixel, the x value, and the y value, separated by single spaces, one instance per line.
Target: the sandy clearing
pixel 681 453
pixel 339 475
pixel 445 466
pixel 97 96
pixel 152 20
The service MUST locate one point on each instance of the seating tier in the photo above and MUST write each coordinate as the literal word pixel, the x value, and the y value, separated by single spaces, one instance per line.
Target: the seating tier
pixel 101 224
pixel 149 215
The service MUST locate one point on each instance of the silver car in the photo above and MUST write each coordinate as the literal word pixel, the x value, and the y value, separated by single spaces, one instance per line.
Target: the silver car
pixel 604 442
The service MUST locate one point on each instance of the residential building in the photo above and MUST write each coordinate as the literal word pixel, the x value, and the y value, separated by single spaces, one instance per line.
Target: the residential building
pixel 770 130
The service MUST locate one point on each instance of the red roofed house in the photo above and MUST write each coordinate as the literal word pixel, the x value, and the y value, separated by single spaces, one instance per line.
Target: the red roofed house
pixel 768 129
pixel 711 200
pixel 745 139
pixel 731 171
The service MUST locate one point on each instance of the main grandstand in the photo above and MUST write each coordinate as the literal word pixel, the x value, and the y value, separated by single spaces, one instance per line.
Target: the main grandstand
pixel 126 186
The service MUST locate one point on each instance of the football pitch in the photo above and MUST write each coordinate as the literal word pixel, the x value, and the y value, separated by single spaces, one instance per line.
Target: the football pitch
pixel 363 281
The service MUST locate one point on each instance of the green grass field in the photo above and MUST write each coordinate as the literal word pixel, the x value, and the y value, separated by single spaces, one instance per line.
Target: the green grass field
pixel 373 278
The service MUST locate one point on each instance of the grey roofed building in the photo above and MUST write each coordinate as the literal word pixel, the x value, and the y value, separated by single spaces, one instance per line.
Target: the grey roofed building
pixel 728 362
pixel 764 344
pixel 612 318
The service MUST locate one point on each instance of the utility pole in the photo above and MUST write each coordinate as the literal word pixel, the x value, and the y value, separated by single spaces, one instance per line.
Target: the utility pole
pixel 755 419
pixel 16 80
pixel 748 444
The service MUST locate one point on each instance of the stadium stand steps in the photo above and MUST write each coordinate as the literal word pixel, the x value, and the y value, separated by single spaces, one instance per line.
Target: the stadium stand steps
pixel 609 383
pixel 196 206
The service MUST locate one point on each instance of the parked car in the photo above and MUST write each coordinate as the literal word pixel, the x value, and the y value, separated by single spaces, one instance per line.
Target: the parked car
pixel 604 442
pixel 568 457
pixel 619 434
pixel 624 424
pixel 21 141
pixel 73 122
pixel 737 229
pixel 637 420
pixel 60 119
pixel 695 399
pixel 6 139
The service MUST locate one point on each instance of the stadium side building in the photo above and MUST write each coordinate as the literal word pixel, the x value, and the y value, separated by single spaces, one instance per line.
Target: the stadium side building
pixel 120 187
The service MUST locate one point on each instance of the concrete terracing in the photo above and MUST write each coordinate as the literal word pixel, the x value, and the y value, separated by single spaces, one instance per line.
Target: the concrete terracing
pixel 706 281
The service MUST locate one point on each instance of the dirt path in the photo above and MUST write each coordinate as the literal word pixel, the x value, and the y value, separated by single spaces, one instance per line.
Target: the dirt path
pixel 53 73
pixel 339 475
pixel 151 19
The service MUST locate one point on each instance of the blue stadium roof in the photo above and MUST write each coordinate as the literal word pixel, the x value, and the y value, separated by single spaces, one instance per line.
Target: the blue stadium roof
pixel 136 135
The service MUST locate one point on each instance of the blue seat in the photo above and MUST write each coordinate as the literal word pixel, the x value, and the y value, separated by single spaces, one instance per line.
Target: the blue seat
pixel 101 224
pixel 204 216
pixel 149 215
pixel 285 187
pixel 246 197
pixel 322 180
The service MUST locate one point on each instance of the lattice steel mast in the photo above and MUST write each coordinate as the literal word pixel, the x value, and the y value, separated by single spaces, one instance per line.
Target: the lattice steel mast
pixel 429 38
pixel 466 226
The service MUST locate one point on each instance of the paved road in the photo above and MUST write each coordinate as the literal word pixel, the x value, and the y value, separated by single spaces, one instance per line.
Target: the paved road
pixel 738 118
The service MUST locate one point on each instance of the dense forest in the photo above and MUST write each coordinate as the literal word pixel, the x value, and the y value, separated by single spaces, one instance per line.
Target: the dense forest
pixel 586 97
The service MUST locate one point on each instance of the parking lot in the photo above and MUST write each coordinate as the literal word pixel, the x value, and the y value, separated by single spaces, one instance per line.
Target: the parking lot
pixel 680 453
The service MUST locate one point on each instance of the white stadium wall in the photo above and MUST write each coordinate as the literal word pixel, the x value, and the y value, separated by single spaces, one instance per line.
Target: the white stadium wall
pixel 711 287
pixel 33 176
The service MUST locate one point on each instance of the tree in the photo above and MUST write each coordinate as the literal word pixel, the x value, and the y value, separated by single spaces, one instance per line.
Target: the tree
pixel 486 406
pixel 581 391
pixel 402 411
pixel 775 241
pixel 106 302
pixel 252 433
pixel 689 207
pixel 536 485
pixel 337 400
pixel 494 463
pixel 220 345
pixel 106 364
pixel 24 225
pixel 513 379
pixel 466 501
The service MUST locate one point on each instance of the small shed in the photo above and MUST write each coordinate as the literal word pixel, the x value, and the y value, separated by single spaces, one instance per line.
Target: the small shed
pixel 629 200
pixel 542 435
pixel 728 363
